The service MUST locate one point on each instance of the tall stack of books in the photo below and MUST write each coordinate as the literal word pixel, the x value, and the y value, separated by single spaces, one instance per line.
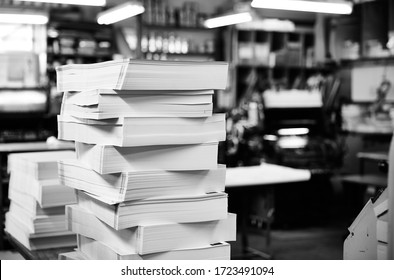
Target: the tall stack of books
pixel 36 217
pixel 147 179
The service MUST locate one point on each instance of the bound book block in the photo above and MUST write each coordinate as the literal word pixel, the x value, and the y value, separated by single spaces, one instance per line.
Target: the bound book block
pixel 135 185
pixel 177 209
pixel 128 74
pixel 142 131
pixel 150 237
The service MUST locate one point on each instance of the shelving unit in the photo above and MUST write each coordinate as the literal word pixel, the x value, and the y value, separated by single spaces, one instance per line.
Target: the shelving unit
pixel 177 42
pixel 279 59
pixel 76 42
pixel 363 34
pixel 170 31
pixel 360 41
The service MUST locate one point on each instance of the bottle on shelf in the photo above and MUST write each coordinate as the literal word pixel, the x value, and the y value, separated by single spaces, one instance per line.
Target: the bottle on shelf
pixel 178 44
pixel 171 43
pixel 159 43
pixel 165 46
pixel 144 43
pixel 152 42
pixel 184 46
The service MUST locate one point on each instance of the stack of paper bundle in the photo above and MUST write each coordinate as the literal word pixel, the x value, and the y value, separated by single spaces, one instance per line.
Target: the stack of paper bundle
pixel 382 228
pixel 37 209
pixel 368 238
pixel 146 175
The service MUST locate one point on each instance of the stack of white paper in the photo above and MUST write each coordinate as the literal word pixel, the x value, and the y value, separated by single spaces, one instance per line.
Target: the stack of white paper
pixel 368 238
pixel 128 74
pixel 134 185
pixel 146 176
pixel 90 247
pixel 382 230
pixel 104 105
pixel 36 217
pixel 141 130
pixel 150 237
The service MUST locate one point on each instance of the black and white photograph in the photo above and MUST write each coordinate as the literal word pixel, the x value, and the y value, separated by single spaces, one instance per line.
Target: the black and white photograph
pixel 246 133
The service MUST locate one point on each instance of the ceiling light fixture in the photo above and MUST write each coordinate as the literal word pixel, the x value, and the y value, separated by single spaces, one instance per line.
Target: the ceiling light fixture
pixel 228 19
pixel 328 7
pixel 120 12
pixel 99 3
pixel 268 24
pixel 293 131
pixel 23 18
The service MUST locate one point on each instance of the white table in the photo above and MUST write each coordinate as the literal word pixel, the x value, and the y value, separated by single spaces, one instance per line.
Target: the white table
pixel 244 182
pixel 264 174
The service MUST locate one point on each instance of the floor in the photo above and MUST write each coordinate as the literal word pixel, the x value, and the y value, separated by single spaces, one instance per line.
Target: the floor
pixel 296 244
pixel 10 255
pixel 308 225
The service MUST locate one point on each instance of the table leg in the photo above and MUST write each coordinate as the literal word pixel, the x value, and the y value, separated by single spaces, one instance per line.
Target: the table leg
pixel 244 214
pixel 244 222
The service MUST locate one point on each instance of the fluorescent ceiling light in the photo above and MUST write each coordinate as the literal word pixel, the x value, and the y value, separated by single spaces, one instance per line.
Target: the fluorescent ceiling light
pixel 328 7
pixel 23 18
pixel 269 24
pixel 228 20
pixel 100 3
pixel 293 131
pixel 120 12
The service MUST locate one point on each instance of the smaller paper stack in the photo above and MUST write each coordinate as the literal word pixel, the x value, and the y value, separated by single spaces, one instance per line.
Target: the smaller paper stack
pixel 36 217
